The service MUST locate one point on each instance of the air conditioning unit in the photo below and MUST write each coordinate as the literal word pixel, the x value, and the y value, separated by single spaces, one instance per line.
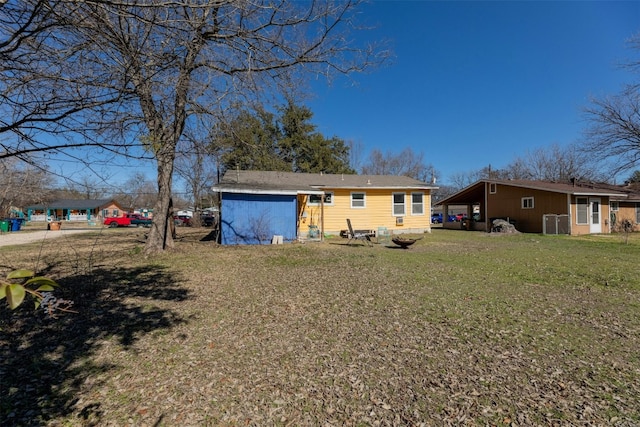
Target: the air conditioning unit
pixel 399 220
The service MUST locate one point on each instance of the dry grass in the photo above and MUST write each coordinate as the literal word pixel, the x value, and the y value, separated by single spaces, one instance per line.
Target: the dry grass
pixel 461 329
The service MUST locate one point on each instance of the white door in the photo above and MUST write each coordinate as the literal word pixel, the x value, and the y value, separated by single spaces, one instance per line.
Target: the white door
pixel 594 210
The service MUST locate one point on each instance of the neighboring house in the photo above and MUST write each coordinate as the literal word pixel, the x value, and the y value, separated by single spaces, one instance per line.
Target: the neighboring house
pixel 627 207
pixel 75 210
pixel 538 206
pixel 145 212
pixel 257 205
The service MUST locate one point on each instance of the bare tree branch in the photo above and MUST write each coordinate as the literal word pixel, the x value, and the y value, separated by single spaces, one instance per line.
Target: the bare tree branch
pixel 131 77
pixel 613 134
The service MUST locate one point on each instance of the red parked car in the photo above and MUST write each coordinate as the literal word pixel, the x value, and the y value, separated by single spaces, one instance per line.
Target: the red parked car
pixel 182 220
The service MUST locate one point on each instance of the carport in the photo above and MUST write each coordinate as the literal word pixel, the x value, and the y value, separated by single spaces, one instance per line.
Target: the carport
pixel 473 196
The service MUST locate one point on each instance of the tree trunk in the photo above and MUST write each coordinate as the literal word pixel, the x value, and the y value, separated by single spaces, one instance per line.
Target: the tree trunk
pixel 162 228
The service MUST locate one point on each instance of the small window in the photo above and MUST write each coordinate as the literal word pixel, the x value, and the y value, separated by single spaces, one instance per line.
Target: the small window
pixel 614 206
pixel 314 199
pixel 527 203
pixel 417 203
pixel 493 188
pixel 582 210
pixel 358 200
pixel 637 213
pixel 398 204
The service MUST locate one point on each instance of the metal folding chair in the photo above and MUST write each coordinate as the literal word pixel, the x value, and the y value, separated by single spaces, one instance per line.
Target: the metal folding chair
pixel 365 237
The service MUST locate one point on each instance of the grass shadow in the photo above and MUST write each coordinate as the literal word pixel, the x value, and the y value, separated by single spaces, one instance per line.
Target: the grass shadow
pixel 45 361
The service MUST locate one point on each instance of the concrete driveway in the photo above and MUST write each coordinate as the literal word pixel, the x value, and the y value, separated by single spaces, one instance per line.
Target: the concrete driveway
pixel 28 236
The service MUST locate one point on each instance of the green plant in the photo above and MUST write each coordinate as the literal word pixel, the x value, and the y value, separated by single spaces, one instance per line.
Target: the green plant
pixel 19 283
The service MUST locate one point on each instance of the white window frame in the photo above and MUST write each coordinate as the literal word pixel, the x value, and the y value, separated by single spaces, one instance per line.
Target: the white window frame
pixel 493 188
pixel 421 204
pixel 328 199
pixel 527 202
pixel 394 204
pixel 364 200
pixel 614 206
pixel 637 213
pixel 585 213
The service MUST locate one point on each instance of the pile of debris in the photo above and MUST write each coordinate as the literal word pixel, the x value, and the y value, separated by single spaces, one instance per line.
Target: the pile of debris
pixel 502 226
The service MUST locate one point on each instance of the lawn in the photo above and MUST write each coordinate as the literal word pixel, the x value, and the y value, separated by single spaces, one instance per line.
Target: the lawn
pixel 463 328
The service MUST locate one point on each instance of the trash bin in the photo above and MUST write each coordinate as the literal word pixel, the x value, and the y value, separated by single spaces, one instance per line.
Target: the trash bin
pixel 15 224
pixel 5 225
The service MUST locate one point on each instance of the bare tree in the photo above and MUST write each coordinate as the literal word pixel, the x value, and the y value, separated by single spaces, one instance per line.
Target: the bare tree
pixel 356 149
pixel 406 163
pixel 86 187
pixel 20 184
pixel 138 193
pixel 613 134
pixel 129 77
pixel 198 168
pixel 553 163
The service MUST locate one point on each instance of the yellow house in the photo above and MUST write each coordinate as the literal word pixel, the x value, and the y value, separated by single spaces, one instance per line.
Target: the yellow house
pixel 258 204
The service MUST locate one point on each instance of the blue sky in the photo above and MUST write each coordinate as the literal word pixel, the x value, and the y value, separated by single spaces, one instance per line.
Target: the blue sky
pixel 472 83
pixel 475 83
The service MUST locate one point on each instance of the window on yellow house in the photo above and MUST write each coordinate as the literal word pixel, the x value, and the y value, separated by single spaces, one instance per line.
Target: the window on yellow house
pixel 314 199
pixel 417 204
pixel 398 204
pixel 358 200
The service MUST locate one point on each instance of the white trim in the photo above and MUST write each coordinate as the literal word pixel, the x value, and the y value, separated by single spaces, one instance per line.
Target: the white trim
pixel 586 199
pixel 323 196
pixel 524 200
pixel 394 204
pixel 595 227
pixel 421 203
pixel 258 191
pixel 364 200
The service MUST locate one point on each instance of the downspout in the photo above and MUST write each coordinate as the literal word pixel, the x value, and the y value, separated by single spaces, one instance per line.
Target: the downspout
pixel 322 217
pixel 486 208
pixel 570 214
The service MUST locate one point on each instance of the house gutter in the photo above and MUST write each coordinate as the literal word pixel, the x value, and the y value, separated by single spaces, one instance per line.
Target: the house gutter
pixel 266 191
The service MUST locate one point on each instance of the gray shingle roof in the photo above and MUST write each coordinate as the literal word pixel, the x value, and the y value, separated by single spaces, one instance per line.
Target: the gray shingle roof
pixel 300 182
pixel 74 204
pixel 475 192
